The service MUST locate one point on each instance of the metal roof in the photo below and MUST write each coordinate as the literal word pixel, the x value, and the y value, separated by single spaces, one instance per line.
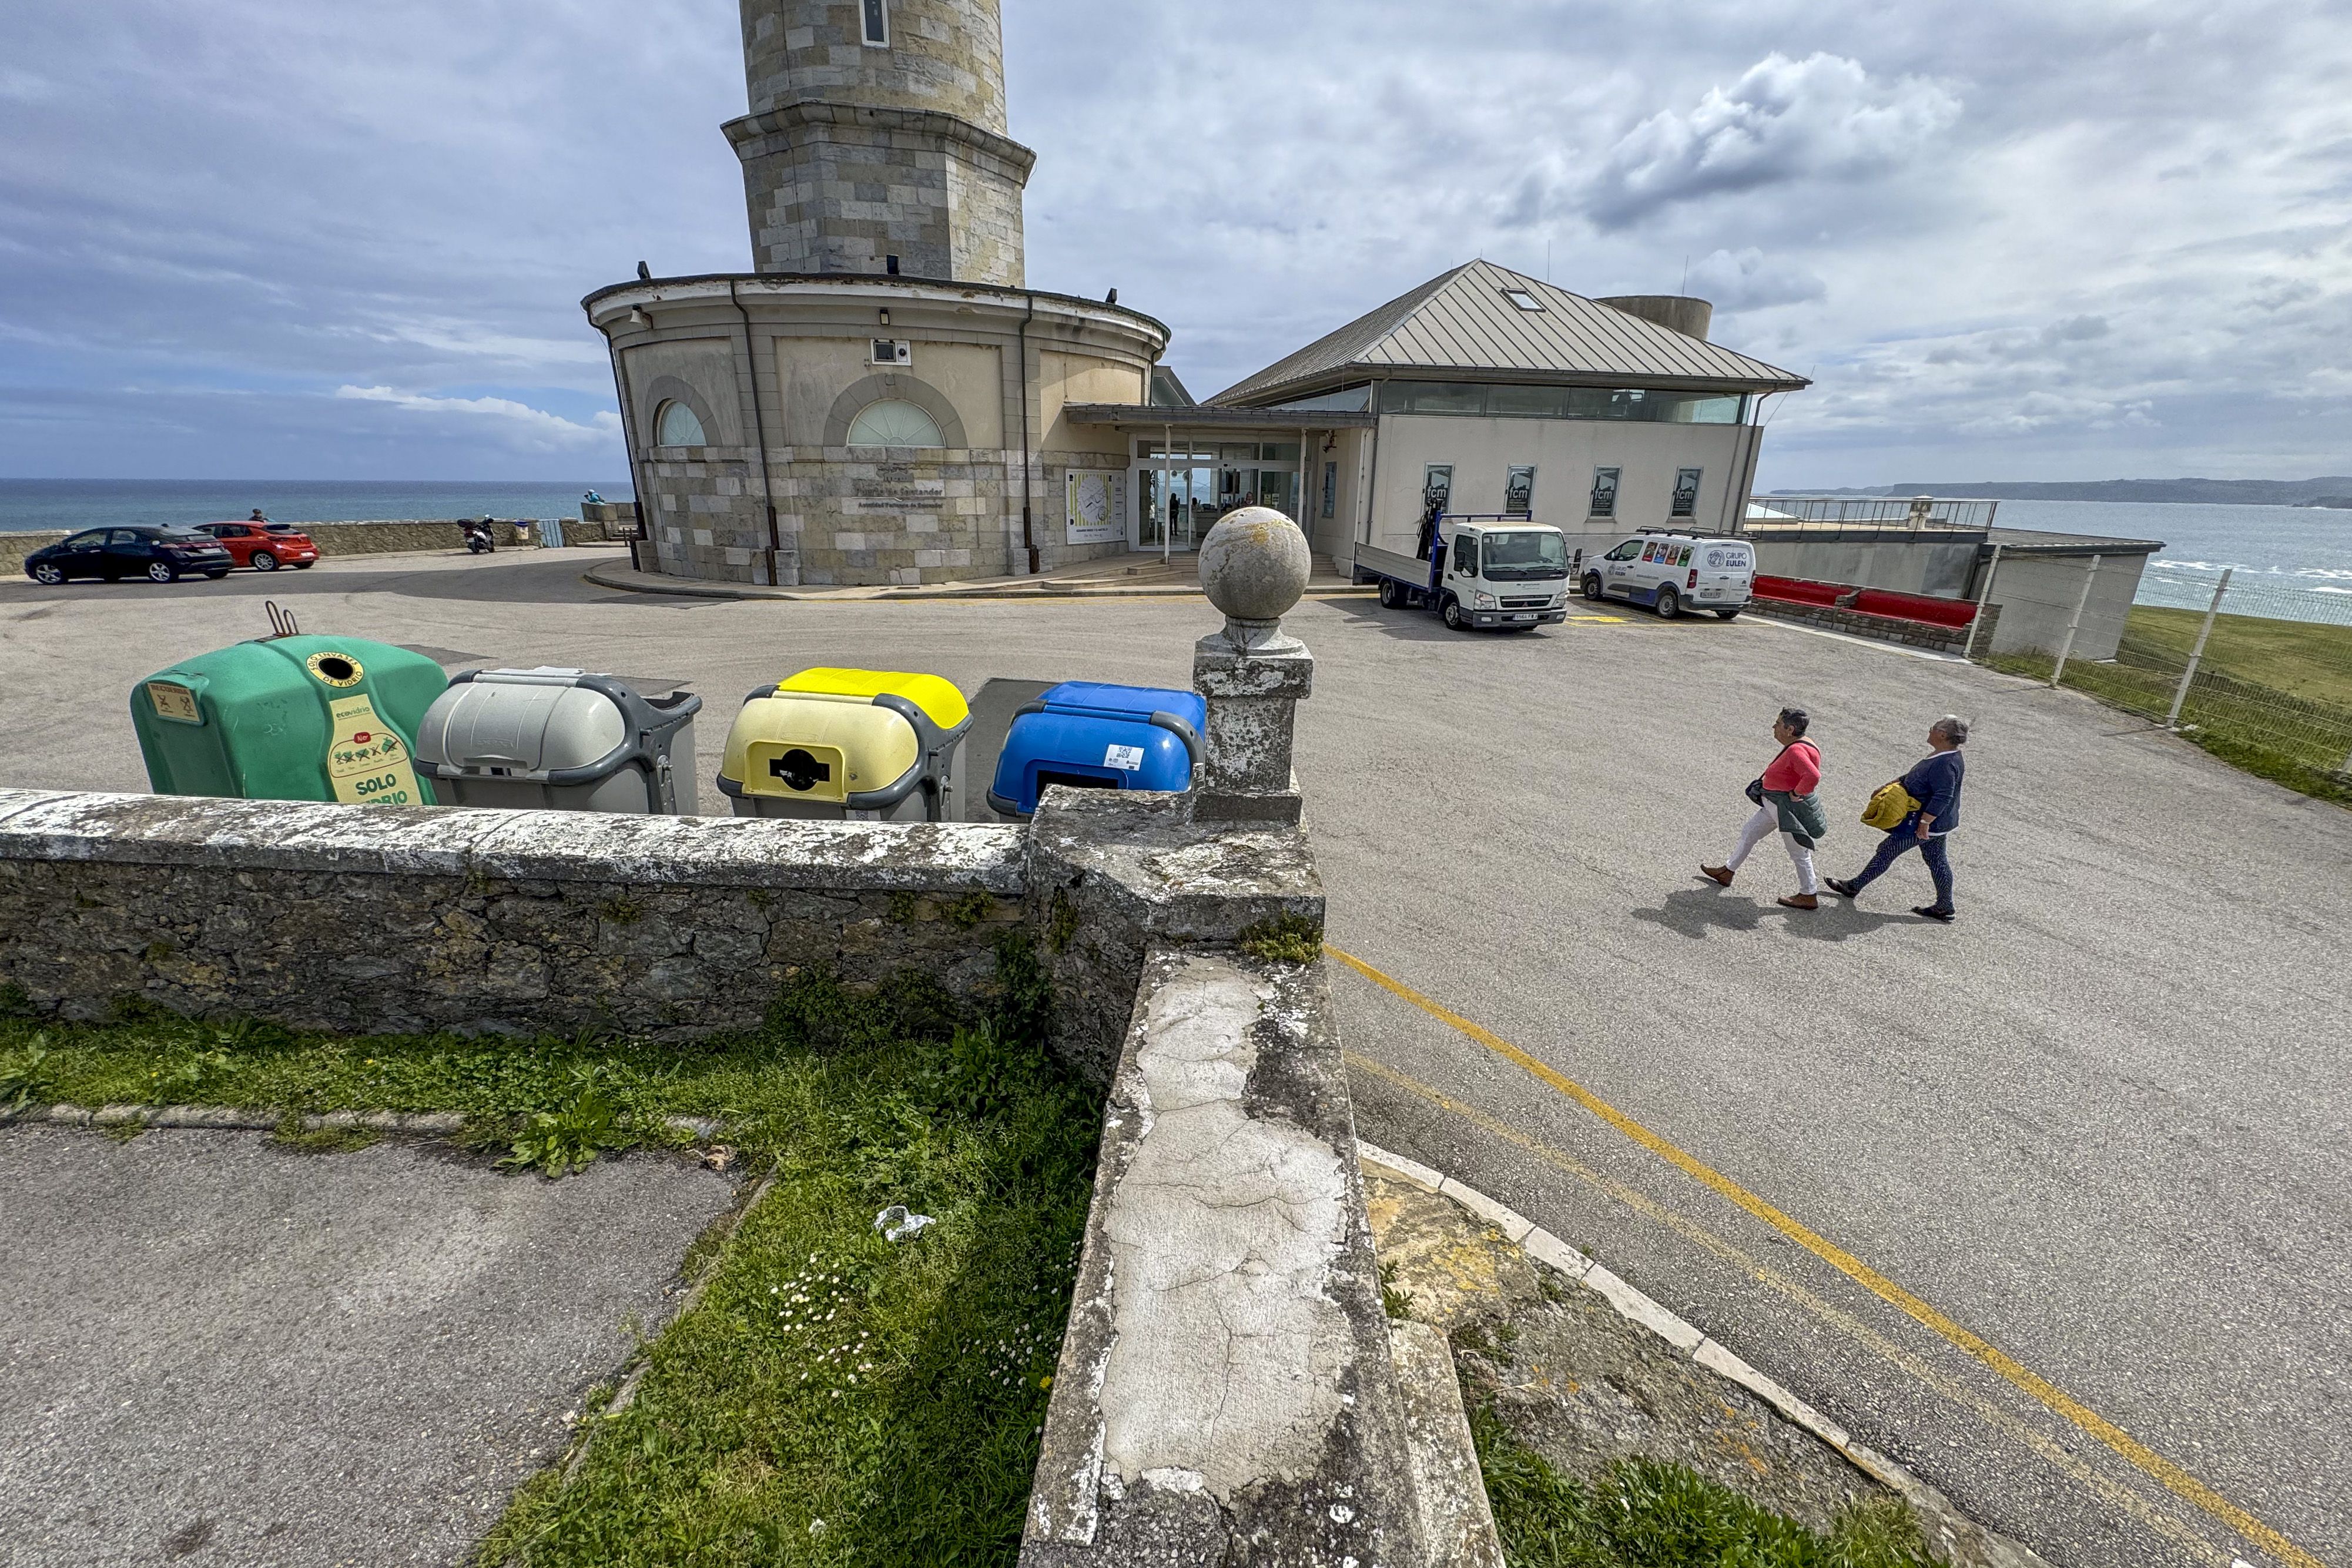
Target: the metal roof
pixel 2042 542
pixel 1460 324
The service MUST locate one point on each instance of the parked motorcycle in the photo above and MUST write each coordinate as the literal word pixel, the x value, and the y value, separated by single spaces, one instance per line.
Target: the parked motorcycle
pixel 477 536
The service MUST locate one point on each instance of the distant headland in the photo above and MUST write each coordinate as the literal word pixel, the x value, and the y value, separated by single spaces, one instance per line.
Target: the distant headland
pixel 2330 490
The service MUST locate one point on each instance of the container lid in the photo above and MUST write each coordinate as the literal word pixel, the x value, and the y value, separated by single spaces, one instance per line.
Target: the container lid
pixel 1096 697
pixel 524 722
pixel 939 699
pixel 818 746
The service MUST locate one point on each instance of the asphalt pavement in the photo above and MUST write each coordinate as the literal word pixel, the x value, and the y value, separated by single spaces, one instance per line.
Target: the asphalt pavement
pixel 2050 1204
pixel 216 1350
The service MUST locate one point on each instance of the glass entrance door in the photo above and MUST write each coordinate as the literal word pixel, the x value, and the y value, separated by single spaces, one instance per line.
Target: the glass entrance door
pixel 1175 500
pixel 1181 496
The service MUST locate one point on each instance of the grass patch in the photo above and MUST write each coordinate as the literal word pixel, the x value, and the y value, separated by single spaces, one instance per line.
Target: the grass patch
pixel 26 1074
pixel 1396 1301
pixel 833 1398
pixel 1286 939
pixel 2273 698
pixel 1646 1514
pixel 557 1142
pixel 290 1133
pixel 2302 658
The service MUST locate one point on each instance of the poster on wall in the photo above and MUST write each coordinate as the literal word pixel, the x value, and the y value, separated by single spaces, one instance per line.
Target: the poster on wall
pixel 1095 508
pixel 1520 490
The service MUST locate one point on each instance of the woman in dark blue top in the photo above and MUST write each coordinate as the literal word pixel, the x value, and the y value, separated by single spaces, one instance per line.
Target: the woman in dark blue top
pixel 1934 782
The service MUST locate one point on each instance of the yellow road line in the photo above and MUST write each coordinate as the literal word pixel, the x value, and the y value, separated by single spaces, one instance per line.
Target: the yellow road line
pixel 1838 1317
pixel 2142 1457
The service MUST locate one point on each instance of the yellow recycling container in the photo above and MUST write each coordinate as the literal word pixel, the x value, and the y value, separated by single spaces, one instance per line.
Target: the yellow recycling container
pixel 871 745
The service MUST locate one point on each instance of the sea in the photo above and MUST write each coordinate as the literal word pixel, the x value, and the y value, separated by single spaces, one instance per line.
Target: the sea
pixel 89 503
pixel 2295 561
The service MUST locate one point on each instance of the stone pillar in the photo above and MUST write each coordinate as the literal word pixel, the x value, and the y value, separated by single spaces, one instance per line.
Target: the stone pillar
pixel 1254 565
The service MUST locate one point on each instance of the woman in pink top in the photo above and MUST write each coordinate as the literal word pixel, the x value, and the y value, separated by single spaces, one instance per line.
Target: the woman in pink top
pixel 1786 799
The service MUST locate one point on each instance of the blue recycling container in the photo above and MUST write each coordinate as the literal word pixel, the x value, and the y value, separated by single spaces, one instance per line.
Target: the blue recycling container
pixel 1092 736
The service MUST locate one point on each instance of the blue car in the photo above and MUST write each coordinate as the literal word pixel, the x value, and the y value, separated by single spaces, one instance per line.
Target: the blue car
pixel 1088 735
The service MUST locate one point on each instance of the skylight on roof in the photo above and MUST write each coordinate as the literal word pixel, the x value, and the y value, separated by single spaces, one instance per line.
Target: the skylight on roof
pixel 1523 299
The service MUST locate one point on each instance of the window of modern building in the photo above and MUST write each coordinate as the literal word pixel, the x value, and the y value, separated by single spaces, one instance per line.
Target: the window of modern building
pixel 1523 299
pixel 1505 400
pixel 894 423
pixel 1436 487
pixel 1354 399
pixel 675 425
pixel 876 16
pixel 1529 401
pixel 1433 398
pixel 1686 492
pixel 1604 493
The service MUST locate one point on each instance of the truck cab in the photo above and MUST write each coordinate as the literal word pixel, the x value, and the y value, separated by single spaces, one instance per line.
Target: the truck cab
pixel 1494 574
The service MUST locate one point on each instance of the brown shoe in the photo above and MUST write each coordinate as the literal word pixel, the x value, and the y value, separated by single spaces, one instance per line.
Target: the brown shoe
pixel 1720 873
pixel 1800 901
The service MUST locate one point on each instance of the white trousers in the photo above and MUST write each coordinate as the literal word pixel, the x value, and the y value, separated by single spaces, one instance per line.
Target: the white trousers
pixel 1766 820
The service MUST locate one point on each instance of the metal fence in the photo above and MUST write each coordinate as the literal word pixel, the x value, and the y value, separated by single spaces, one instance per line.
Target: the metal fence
pixel 2257 670
pixel 1871 512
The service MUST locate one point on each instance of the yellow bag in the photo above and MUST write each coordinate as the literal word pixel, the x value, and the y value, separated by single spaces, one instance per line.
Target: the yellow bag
pixel 1889 805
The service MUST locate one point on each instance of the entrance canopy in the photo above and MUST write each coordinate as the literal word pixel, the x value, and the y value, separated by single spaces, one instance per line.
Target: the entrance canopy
pixel 1205 416
pixel 1190 465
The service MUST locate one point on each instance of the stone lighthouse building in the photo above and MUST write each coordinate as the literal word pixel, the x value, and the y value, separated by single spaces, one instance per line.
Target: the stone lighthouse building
pixel 882 400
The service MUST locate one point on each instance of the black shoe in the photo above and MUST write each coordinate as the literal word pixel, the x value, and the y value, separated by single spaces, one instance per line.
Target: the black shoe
pixel 1933 913
pixel 1844 890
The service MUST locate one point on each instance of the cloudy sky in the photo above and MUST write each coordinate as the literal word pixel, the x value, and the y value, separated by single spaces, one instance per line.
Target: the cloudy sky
pixel 279 239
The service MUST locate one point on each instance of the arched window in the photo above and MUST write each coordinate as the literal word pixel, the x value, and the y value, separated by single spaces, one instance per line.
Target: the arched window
pixel 894 423
pixel 676 425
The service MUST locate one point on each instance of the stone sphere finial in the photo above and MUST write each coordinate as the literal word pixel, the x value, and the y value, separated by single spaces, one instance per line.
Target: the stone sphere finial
pixel 1254 565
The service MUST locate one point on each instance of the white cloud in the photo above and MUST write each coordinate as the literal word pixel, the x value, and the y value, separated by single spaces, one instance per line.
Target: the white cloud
pixel 1748 280
pixel 532 427
pixel 1925 206
pixel 1784 121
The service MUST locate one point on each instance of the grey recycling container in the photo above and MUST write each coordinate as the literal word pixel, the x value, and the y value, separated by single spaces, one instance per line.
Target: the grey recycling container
pixel 559 740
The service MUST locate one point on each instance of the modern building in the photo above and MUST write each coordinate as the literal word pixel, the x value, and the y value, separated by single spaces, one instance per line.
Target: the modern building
pixel 1483 390
pixel 885 400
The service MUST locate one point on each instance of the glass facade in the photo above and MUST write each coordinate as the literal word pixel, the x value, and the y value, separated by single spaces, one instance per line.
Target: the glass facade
pixel 1356 399
pixel 1512 401
pixel 1181 495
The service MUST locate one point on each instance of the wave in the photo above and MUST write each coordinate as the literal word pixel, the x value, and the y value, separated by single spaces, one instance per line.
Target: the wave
pixel 2325 574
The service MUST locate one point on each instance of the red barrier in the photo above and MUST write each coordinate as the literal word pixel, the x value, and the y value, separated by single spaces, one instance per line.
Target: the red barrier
pixel 1915 607
pixel 1798 591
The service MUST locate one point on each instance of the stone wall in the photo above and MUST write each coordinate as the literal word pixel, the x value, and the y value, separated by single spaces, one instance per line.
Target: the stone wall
pixel 386 919
pixel 1879 628
pixel 1227 1392
pixel 1112 874
pixel 835 188
pixel 943 54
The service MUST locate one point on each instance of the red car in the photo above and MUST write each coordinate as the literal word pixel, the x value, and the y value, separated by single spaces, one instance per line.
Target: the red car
pixel 263 547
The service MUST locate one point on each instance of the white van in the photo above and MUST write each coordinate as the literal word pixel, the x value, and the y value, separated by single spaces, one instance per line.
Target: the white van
pixel 1672 571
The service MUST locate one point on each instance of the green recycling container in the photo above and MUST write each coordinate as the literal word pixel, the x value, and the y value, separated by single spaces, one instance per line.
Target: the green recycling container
pixel 289 718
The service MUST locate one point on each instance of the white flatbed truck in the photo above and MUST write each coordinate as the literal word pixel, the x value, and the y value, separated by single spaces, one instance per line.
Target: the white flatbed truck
pixel 1489 574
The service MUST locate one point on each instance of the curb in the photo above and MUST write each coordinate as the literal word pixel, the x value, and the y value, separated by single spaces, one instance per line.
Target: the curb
pixel 1691 1341
pixel 229 1118
pixel 612 576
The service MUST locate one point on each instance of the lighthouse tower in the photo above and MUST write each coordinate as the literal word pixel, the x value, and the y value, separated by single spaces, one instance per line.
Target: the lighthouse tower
pixel 875 141
pixel 883 399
